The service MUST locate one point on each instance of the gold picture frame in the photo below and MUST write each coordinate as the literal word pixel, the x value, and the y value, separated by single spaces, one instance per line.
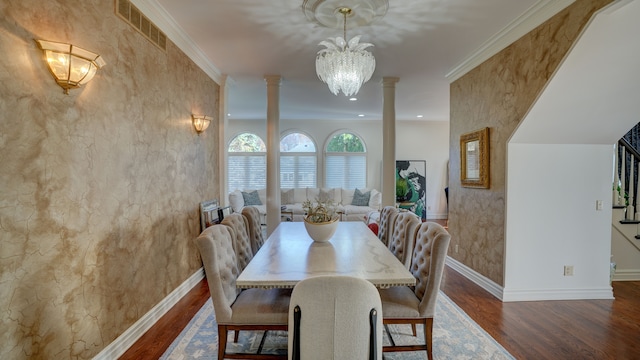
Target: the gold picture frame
pixel 474 159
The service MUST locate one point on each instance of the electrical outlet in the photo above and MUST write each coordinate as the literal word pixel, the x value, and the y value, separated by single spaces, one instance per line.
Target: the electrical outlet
pixel 599 205
pixel 456 248
pixel 568 270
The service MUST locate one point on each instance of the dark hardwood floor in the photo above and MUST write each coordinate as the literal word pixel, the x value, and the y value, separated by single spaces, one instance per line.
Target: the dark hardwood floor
pixel 157 339
pixel 570 329
pixel 567 329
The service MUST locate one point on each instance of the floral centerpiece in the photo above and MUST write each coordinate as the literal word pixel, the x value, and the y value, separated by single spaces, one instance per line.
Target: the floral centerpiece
pixel 321 219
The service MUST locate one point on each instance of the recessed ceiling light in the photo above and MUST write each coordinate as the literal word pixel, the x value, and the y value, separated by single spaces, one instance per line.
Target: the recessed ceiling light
pixel 419 116
pixel 229 114
pixel 360 115
pixel 353 99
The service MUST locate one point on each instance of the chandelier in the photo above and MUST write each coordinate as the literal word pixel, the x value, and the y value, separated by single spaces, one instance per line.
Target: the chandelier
pixel 345 66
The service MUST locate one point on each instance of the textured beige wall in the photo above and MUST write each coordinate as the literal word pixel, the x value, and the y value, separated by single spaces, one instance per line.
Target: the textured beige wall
pixel 99 189
pixel 497 94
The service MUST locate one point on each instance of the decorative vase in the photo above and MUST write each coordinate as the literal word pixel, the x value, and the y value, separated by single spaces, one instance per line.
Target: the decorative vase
pixel 321 232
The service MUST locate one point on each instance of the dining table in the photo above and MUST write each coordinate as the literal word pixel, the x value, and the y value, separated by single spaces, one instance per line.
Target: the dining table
pixel 289 255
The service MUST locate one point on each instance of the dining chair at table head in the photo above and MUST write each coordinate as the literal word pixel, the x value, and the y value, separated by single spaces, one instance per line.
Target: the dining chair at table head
pixel 256 237
pixel 241 241
pixel 416 305
pixel 335 317
pixel 249 309
pixel 387 217
pixel 403 236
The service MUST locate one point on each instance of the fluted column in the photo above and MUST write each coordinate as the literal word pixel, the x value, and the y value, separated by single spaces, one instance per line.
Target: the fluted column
pixel 273 152
pixel 389 141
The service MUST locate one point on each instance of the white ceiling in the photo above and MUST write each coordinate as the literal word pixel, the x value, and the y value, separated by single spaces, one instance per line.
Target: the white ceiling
pixel 418 41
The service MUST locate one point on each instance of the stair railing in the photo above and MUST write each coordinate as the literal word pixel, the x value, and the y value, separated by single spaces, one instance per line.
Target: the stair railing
pixel 626 180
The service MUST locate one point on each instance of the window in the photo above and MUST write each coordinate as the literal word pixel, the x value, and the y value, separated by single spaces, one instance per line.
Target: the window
pixel 298 159
pixel 346 162
pixel 247 163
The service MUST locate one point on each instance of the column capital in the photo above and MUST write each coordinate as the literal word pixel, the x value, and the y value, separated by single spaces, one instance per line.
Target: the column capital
pixel 390 81
pixel 273 79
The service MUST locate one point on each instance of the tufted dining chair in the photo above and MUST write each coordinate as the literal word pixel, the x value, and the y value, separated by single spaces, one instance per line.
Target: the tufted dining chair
pixel 256 237
pixel 416 305
pixel 387 217
pixel 335 317
pixel 403 235
pixel 235 310
pixel 241 240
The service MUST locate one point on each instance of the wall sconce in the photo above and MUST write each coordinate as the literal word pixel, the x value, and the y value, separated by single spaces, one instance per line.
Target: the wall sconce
pixel 70 65
pixel 201 122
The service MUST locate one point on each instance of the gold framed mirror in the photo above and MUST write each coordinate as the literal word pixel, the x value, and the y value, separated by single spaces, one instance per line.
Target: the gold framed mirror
pixel 474 159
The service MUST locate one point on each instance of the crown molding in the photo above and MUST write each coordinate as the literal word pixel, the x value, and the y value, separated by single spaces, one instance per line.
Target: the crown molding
pixel 163 20
pixel 540 12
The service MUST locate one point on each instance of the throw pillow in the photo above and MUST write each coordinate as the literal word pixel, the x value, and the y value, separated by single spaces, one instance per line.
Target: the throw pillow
pixel 325 195
pixel 251 198
pixel 361 199
pixel 286 197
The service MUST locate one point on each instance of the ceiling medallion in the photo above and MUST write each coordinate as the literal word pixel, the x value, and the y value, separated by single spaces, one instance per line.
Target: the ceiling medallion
pixel 327 12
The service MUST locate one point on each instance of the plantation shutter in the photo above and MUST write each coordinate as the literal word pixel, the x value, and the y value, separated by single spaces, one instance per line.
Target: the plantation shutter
pixel 247 172
pixel 348 171
pixel 297 170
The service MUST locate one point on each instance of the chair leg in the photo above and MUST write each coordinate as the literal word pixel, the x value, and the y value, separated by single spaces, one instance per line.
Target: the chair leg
pixel 428 337
pixel 236 335
pixel 413 328
pixel 222 341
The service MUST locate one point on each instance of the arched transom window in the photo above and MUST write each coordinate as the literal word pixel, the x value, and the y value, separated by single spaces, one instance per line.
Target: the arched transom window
pixel 247 163
pixel 298 161
pixel 345 162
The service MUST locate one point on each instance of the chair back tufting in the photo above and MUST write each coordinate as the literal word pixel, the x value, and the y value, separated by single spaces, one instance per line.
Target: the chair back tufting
pixel 403 236
pixel 252 215
pixel 220 266
pixel 427 264
pixel 387 218
pixel 241 241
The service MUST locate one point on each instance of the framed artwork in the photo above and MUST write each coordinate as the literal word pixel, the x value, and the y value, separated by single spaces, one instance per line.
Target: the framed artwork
pixel 411 186
pixel 474 159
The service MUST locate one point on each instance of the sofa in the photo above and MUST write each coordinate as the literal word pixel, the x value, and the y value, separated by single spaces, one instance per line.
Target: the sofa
pixel 367 201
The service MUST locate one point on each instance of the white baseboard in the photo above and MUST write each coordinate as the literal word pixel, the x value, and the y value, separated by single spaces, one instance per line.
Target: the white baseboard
pixel 627 275
pixel 123 342
pixel 557 294
pixel 477 278
pixel 506 295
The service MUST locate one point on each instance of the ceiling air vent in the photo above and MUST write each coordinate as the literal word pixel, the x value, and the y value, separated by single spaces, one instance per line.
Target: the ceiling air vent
pixel 135 18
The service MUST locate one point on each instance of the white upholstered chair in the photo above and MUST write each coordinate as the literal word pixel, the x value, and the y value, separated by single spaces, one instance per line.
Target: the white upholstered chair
pixel 252 214
pixel 403 235
pixel 250 309
pixel 387 217
pixel 335 317
pixel 241 240
pixel 416 305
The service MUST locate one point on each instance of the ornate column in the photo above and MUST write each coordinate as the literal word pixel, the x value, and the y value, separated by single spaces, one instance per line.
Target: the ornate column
pixel 389 141
pixel 273 152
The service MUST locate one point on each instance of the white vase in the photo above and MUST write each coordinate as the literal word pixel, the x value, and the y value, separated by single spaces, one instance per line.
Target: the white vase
pixel 321 232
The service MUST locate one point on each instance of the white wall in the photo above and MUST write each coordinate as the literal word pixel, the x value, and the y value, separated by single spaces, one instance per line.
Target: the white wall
pixel 416 140
pixel 552 221
pixel 552 186
pixel 427 140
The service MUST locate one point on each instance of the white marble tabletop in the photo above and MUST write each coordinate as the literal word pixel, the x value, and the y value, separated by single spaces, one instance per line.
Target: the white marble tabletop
pixel 289 255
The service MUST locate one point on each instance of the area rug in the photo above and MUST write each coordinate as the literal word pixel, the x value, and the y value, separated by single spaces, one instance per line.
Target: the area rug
pixel 455 336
